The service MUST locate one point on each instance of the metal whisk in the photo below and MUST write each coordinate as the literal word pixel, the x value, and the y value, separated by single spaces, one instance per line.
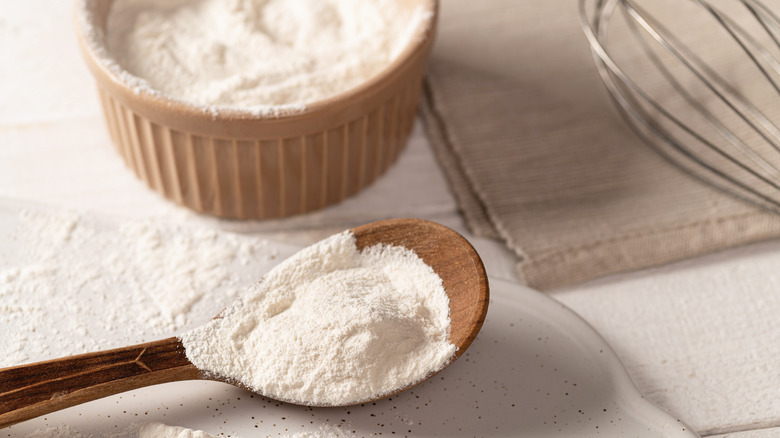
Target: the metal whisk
pixel 716 121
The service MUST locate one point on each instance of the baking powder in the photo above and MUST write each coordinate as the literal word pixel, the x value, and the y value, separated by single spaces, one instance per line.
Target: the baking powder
pixel 332 326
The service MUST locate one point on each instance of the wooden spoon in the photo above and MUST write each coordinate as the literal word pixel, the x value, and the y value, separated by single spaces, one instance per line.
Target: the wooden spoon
pixel 27 391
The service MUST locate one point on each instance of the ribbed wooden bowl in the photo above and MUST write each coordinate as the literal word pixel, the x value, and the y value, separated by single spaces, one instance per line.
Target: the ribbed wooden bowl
pixel 238 165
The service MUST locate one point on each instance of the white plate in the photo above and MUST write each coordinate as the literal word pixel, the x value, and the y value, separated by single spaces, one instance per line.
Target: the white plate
pixel 536 369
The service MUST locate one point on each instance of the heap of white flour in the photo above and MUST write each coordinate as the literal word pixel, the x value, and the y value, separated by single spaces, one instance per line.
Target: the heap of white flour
pixel 331 326
pixel 265 56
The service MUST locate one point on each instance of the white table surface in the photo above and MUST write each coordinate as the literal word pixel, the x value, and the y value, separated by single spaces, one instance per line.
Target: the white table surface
pixel 701 338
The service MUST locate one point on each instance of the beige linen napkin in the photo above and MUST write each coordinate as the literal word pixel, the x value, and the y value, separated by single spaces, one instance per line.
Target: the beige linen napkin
pixel 537 155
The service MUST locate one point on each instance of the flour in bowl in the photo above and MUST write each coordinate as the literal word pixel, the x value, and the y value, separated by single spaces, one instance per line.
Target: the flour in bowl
pixel 265 56
pixel 332 326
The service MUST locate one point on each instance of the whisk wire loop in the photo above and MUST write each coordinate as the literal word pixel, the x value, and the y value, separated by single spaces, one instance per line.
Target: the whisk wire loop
pixel 745 171
pixel 719 86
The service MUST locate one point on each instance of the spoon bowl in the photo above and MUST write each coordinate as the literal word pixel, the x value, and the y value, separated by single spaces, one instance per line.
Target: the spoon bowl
pixel 31 390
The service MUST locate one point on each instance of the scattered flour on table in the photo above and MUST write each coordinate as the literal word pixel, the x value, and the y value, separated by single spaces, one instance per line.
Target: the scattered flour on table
pixel 55 432
pixel 156 429
pixel 264 56
pixel 332 325
pixel 329 431
pixel 76 284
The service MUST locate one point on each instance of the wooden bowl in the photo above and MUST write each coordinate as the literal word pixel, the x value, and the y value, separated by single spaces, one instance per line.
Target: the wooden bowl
pixel 235 164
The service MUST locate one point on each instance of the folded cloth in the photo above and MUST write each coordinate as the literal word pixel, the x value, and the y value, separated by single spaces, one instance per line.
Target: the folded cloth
pixel 537 155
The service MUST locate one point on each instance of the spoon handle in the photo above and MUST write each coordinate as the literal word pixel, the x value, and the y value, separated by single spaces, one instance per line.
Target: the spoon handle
pixel 27 391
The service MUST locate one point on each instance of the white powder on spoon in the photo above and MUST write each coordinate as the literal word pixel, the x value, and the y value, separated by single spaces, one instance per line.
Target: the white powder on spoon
pixel 265 56
pixel 331 326
pixel 73 283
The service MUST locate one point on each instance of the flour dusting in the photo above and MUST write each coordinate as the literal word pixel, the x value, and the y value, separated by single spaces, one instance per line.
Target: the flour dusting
pixel 78 284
